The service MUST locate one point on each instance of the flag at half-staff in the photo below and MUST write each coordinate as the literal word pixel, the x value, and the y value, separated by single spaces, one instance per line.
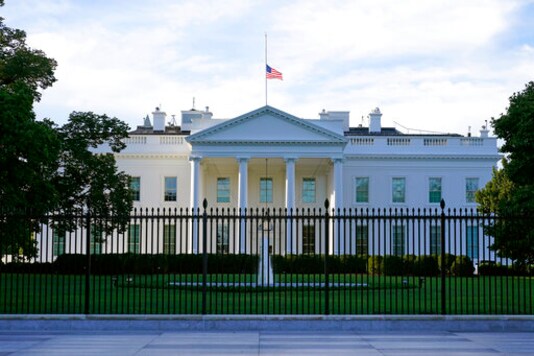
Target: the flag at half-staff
pixel 272 73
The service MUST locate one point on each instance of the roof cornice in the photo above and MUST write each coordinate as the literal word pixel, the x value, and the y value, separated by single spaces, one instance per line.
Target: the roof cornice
pixel 464 157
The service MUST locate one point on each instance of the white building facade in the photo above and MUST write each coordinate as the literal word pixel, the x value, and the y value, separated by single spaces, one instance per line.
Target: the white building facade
pixel 269 158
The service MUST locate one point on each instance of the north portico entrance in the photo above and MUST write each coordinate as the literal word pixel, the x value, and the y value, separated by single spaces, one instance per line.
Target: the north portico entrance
pixel 264 142
pixel 267 159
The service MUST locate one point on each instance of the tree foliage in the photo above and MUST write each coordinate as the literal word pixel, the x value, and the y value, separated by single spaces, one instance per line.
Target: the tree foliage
pixel 510 193
pixel 46 168
pixel 20 64
pixel 497 190
pixel 91 182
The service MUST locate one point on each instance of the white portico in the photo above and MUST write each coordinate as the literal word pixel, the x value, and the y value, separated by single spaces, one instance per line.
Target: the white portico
pixel 266 143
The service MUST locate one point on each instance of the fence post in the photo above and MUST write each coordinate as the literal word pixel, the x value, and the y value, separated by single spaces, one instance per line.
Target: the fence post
pixel 88 262
pixel 443 264
pixel 326 245
pixel 204 255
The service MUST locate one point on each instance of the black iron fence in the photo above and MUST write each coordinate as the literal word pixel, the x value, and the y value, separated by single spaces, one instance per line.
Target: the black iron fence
pixel 264 261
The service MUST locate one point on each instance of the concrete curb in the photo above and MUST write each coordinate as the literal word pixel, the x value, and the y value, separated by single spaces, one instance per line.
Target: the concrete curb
pixel 76 322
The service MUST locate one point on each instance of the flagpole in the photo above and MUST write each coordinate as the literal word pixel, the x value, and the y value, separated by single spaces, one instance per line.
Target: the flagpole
pixel 265 68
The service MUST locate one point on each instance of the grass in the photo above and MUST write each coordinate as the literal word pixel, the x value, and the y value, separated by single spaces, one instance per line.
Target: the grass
pixel 154 294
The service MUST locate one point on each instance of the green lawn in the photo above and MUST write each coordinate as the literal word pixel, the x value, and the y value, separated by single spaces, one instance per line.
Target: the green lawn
pixel 154 294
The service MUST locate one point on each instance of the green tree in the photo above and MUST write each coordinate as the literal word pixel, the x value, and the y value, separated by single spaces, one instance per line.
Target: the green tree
pixel 28 148
pixel 46 168
pixel 91 182
pixel 497 190
pixel 510 193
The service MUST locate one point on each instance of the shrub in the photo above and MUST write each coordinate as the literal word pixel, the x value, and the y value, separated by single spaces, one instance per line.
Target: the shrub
pixel 354 263
pixel 298 264
pixel 449 260
pixel 409 264
pixel 375 265
pixel 462 267
pixel 393 265
pixel 426 266
pixel 490 268
pixel 26 267
pixel 70 263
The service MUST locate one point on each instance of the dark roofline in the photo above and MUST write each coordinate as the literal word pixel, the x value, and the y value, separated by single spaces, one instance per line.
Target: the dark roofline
pixel 169 130
pixel 391 131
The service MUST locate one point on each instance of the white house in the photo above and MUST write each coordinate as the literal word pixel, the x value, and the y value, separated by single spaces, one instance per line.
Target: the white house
pixel 268 158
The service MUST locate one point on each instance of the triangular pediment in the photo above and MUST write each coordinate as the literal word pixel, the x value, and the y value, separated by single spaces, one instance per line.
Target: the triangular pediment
pixel 266 125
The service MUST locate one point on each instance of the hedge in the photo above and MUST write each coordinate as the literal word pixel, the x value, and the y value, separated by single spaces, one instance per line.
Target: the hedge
pixel 424 265
pixel 314 264
pixel 462 267
pixel 153 264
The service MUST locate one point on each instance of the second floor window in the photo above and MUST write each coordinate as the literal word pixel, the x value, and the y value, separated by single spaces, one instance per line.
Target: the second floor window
pixel 170 189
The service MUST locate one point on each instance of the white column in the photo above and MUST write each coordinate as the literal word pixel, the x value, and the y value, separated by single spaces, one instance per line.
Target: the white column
pixel 243 201
pixel 291 243
pixel 290 183
pixel 338 183
pixel 195 187
pixel 338 246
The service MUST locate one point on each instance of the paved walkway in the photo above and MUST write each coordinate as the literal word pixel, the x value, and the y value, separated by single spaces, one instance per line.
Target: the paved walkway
pixel 85 342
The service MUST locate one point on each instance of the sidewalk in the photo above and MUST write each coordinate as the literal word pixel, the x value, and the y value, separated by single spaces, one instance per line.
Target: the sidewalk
pixel 92 342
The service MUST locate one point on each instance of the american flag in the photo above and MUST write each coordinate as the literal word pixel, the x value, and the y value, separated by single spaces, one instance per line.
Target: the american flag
pixel 273 73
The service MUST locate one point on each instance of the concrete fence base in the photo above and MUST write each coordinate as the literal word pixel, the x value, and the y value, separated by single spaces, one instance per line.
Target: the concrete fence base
pixel 356 323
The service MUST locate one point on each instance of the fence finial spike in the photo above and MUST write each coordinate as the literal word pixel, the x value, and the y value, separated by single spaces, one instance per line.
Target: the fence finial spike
pixel 205 203
pixel 326 204
pixel 442 204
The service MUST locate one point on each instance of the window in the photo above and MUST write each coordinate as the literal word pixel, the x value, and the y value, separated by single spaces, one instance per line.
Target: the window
pixel 434 190
pixel 266 190
pixel 362 239
pixel 58 240
pixel 308 190
pixel 398 186
pixel 398 246
pixel 95 245
pixel 308 239
pixel 223 241
pixel 169 239
pixel 472 242
pixel 223 190
pixel 362 190
pixel 135 188
pixel 435 240
pixel 170 189
pixel 134 233
pixel 471 186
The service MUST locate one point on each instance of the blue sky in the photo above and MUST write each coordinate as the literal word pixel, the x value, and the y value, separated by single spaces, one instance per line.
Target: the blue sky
pixel 432 65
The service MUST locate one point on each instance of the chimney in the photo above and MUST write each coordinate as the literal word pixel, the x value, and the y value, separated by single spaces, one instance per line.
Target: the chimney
pixel 159 120
pixel 484 132
pixel 375 117
pixel 323 115
pixel 207 114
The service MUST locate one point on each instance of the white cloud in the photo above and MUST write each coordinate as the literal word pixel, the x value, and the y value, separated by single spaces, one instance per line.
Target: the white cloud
pixel 435 65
